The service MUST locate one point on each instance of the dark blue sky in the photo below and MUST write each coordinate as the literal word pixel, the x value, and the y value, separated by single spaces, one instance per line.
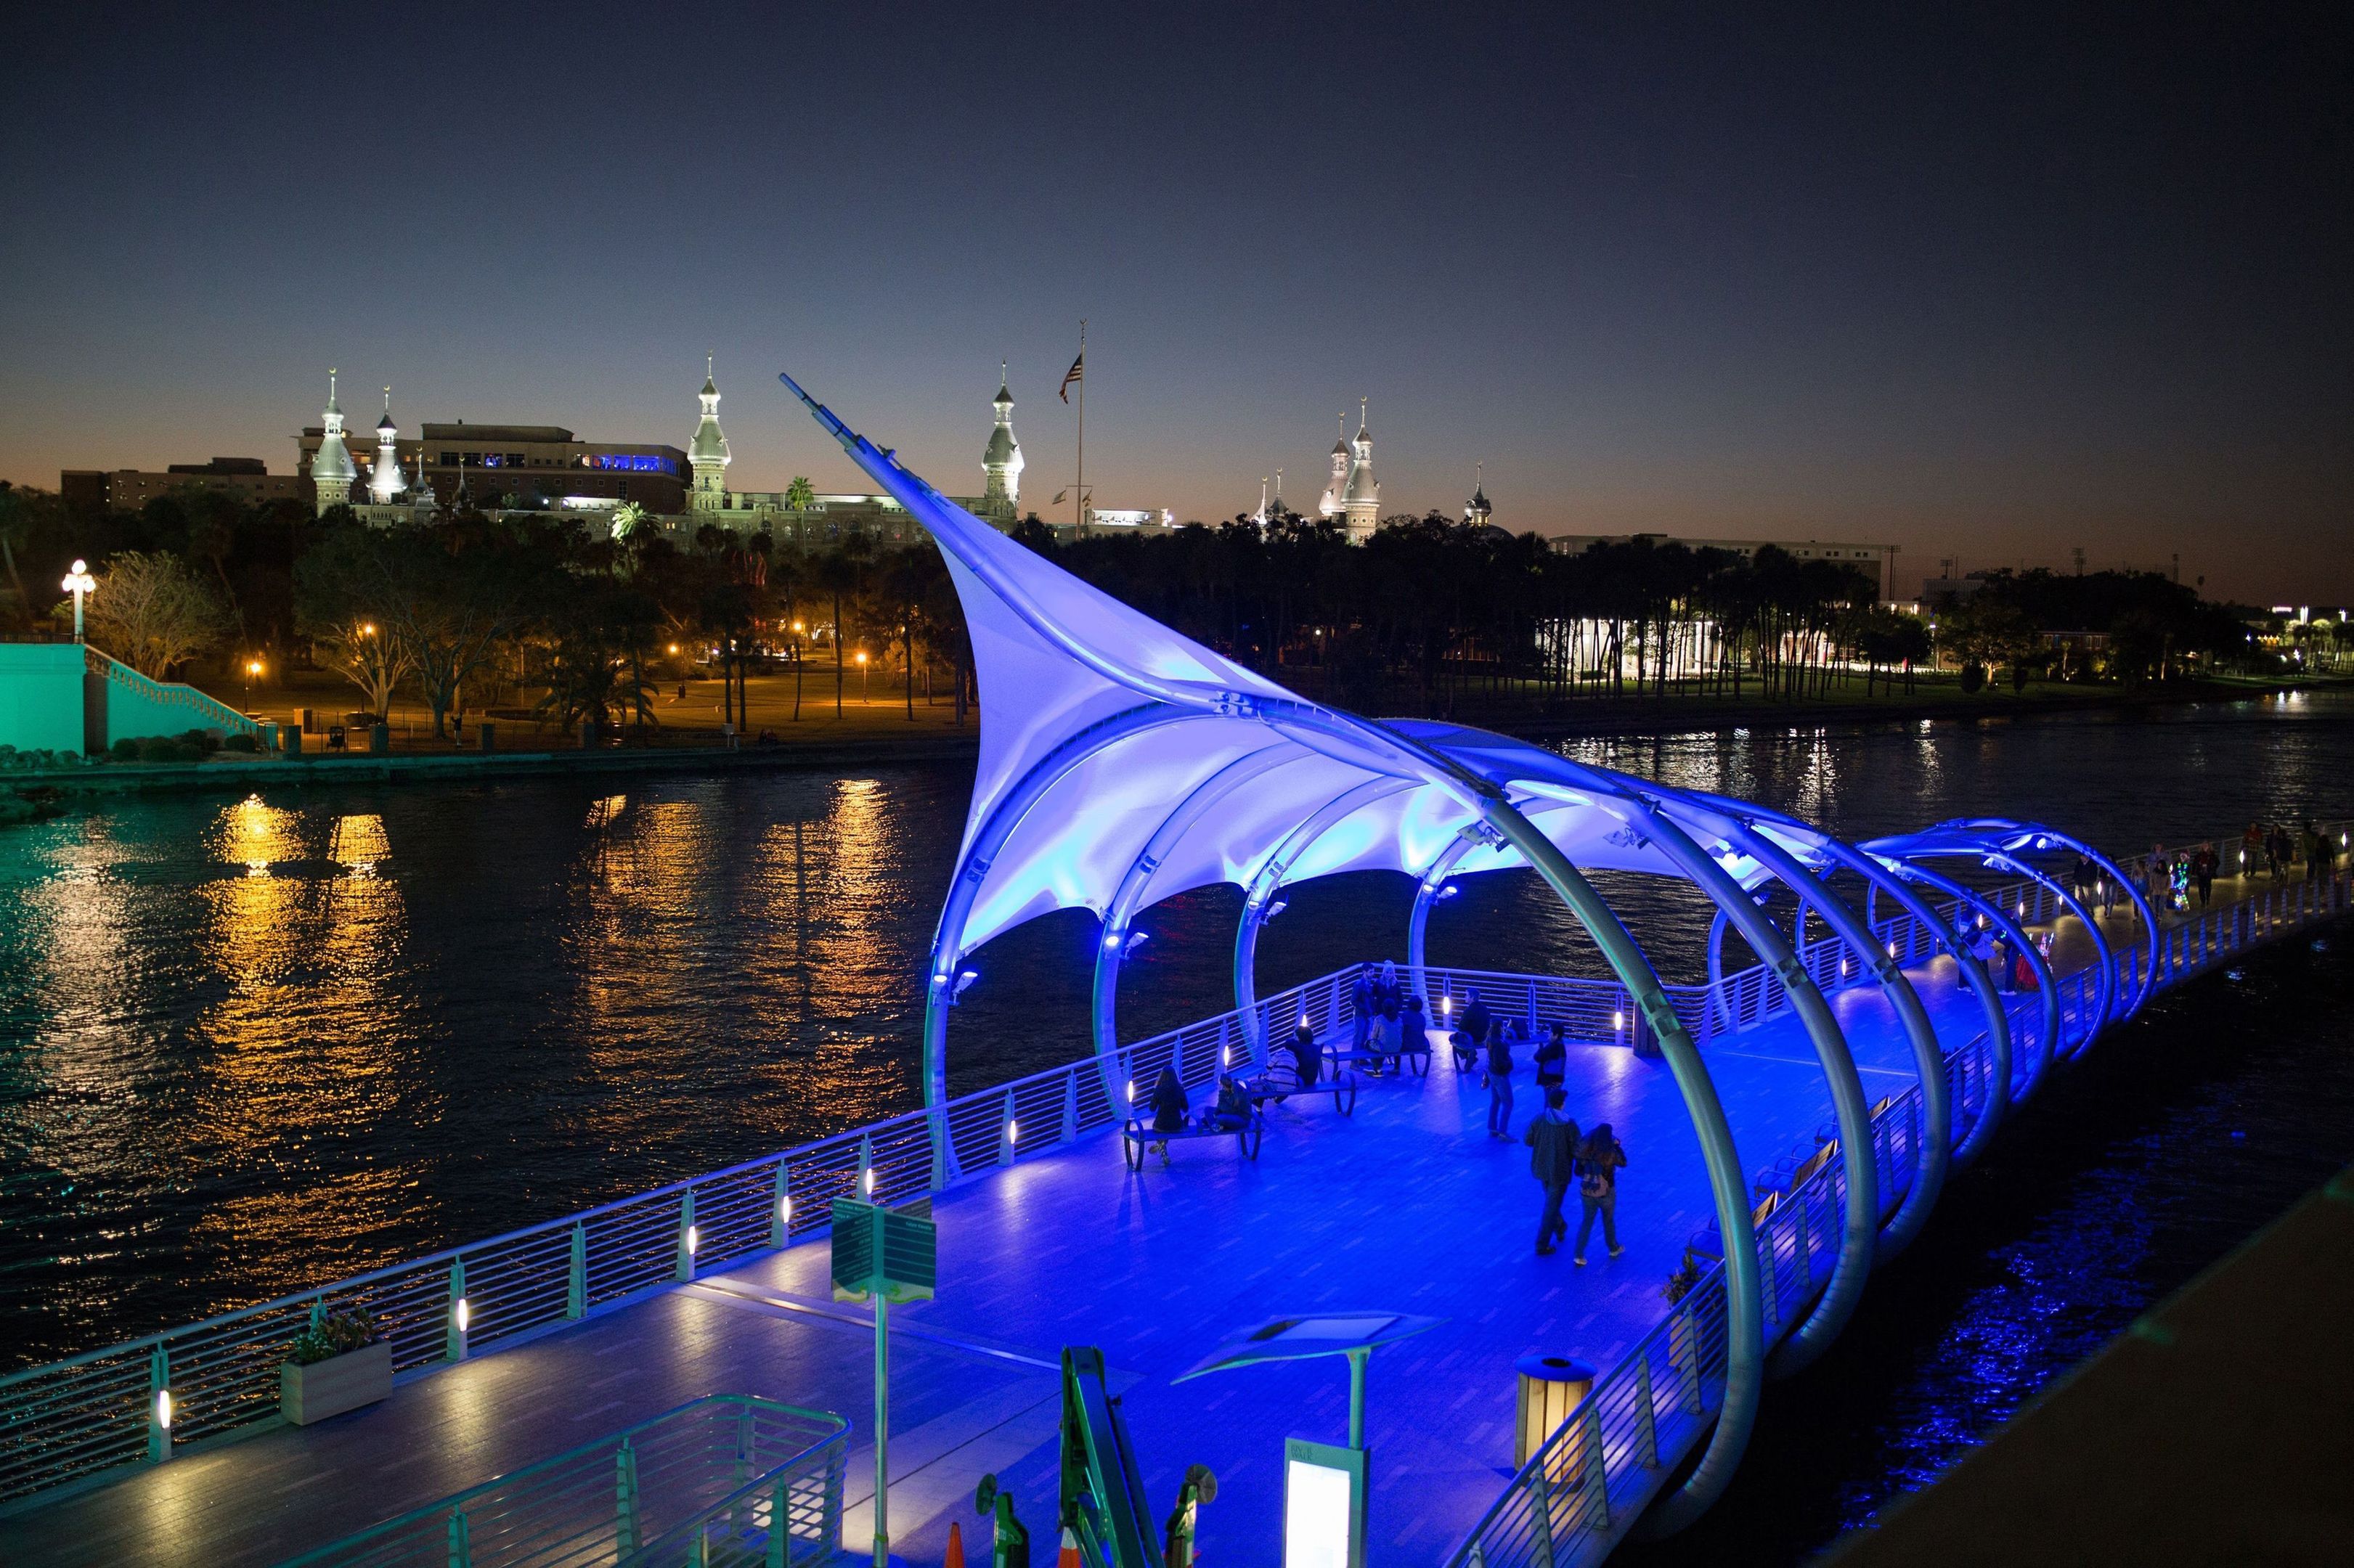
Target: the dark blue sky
pixel 1989 286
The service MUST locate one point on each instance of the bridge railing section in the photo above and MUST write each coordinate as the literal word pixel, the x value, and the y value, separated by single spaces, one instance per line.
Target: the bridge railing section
pixel 728 1479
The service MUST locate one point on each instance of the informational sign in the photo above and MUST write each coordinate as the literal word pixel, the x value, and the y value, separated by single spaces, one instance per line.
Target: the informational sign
pixel 1323 1505
pixel 892 1252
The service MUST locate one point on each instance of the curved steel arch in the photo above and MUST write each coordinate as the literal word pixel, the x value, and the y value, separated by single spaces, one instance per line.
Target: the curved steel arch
pixel 1270 878
pixel 973 869
pixel 2147 983
pixel 1934 1147
pixel 1942 933
pixel 1997 857
pixel 2051 1042
pixel 1425 892
pixel 1859 1225
pixel 1111 952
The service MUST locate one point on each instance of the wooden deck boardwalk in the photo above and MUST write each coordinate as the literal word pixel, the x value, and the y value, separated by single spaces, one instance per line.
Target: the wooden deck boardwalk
pixel 1406 1206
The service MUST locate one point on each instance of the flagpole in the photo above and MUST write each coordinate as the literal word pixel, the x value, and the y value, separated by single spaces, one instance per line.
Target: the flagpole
pixel 1079 501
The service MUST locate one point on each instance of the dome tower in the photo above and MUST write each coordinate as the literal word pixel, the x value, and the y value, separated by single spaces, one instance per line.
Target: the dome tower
pixel 1361 503
pixel 1001 461
pixel 707 453
pixel 1333 505
pixel 387 484
pixel 332 473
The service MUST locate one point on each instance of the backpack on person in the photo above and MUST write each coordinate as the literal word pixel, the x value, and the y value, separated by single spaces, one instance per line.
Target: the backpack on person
pixel 1593 1177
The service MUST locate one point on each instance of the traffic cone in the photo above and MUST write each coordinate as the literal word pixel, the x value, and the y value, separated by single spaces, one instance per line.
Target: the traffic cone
pixel 955 1559
pixel 1068 1557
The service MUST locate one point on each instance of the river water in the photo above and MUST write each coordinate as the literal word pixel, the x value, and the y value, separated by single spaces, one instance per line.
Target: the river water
pixel 251 1045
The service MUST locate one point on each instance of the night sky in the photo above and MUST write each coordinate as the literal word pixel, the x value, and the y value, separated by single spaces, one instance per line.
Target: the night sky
pixel 1987 286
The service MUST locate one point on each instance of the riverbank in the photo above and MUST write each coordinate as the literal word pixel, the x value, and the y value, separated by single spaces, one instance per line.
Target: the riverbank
pixel 871 736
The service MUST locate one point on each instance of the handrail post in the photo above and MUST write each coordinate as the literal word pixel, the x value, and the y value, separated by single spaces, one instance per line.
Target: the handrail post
pixel 683 1268
pixel 462 1546
pixel 576 1280
pixel 159 1404
pixel 1071 1105
pixel 1007 1132
pixel 1647 1420
pixel 453 1343
pixel 625 1499
pixel 780 1207
pixel 1595 1459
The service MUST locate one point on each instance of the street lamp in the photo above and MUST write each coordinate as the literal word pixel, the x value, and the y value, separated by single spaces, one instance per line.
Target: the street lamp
pixel 865 677
pixel 252 669
pixel 78 582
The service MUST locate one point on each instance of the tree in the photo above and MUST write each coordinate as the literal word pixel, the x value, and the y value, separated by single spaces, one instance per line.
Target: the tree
pixel 152 612
pixel 367 655
pixel 17 524
pixel 799 496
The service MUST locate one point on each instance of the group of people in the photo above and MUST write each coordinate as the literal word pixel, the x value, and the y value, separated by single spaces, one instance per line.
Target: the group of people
pixel 2006 964
pixel 1558 1153
pixel 1388 1018
pixel 2175 877
pixel 2278 850
pixel 1172 1108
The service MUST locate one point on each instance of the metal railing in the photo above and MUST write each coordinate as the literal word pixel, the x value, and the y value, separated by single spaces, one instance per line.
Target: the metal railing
pixel 725 1479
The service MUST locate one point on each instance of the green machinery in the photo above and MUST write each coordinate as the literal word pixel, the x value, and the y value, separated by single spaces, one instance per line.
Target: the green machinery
pixel 1102 1507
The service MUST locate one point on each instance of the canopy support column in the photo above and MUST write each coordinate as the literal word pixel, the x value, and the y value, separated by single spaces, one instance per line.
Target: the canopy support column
pixel 1111 952
pixel 973 869
pixel 1257 896
pixel 1426 894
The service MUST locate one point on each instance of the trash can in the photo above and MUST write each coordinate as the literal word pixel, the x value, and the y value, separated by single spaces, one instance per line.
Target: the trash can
pixel 1551 1387
pixel 291 741
pixel 486 735
pixel 380 740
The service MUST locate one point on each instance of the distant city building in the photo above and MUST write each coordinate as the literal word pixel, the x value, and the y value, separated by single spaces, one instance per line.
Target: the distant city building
pixel 540 465
pixel 1871 559
pixel 1353 497
pixel 128 489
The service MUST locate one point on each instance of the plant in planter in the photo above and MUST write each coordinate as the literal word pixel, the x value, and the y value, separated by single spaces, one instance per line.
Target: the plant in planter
pixel 1683 1343
pixel 340 1362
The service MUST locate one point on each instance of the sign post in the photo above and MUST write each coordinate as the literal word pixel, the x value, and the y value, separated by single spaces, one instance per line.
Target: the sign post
pixel 883 1256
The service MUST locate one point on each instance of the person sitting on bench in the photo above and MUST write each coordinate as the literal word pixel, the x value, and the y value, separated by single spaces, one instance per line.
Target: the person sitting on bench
pixel 1304 1051
pixel 1233 1111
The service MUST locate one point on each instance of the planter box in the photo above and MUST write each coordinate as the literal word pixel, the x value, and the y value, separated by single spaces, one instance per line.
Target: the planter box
pixel 334 1386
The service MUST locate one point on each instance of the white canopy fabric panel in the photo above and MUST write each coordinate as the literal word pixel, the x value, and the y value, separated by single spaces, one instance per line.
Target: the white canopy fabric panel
pixel 1057 658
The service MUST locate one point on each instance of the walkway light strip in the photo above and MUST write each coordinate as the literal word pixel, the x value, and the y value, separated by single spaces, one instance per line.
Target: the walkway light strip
pixel 462 1313
pixel 163 1408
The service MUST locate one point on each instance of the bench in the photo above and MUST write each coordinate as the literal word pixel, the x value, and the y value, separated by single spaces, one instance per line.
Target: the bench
pixel 1417 1056
pixel 1280 1081
pixel 1138 1131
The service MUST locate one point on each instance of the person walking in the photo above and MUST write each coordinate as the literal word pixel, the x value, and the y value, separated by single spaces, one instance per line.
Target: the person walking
pixel 2252 849
pixel 1500 1087
pixel 1599 1160
pixel 2313 851
pixel 2202 872
pixel 1552 1143
pixel 1360 1007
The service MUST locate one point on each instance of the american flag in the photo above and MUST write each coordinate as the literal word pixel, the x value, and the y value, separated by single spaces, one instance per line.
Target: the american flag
pixel 1078 372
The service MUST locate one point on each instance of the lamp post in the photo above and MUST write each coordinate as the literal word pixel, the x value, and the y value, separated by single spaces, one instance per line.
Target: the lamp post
pixel 77 583
pixel 252 668
pixel 866 678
